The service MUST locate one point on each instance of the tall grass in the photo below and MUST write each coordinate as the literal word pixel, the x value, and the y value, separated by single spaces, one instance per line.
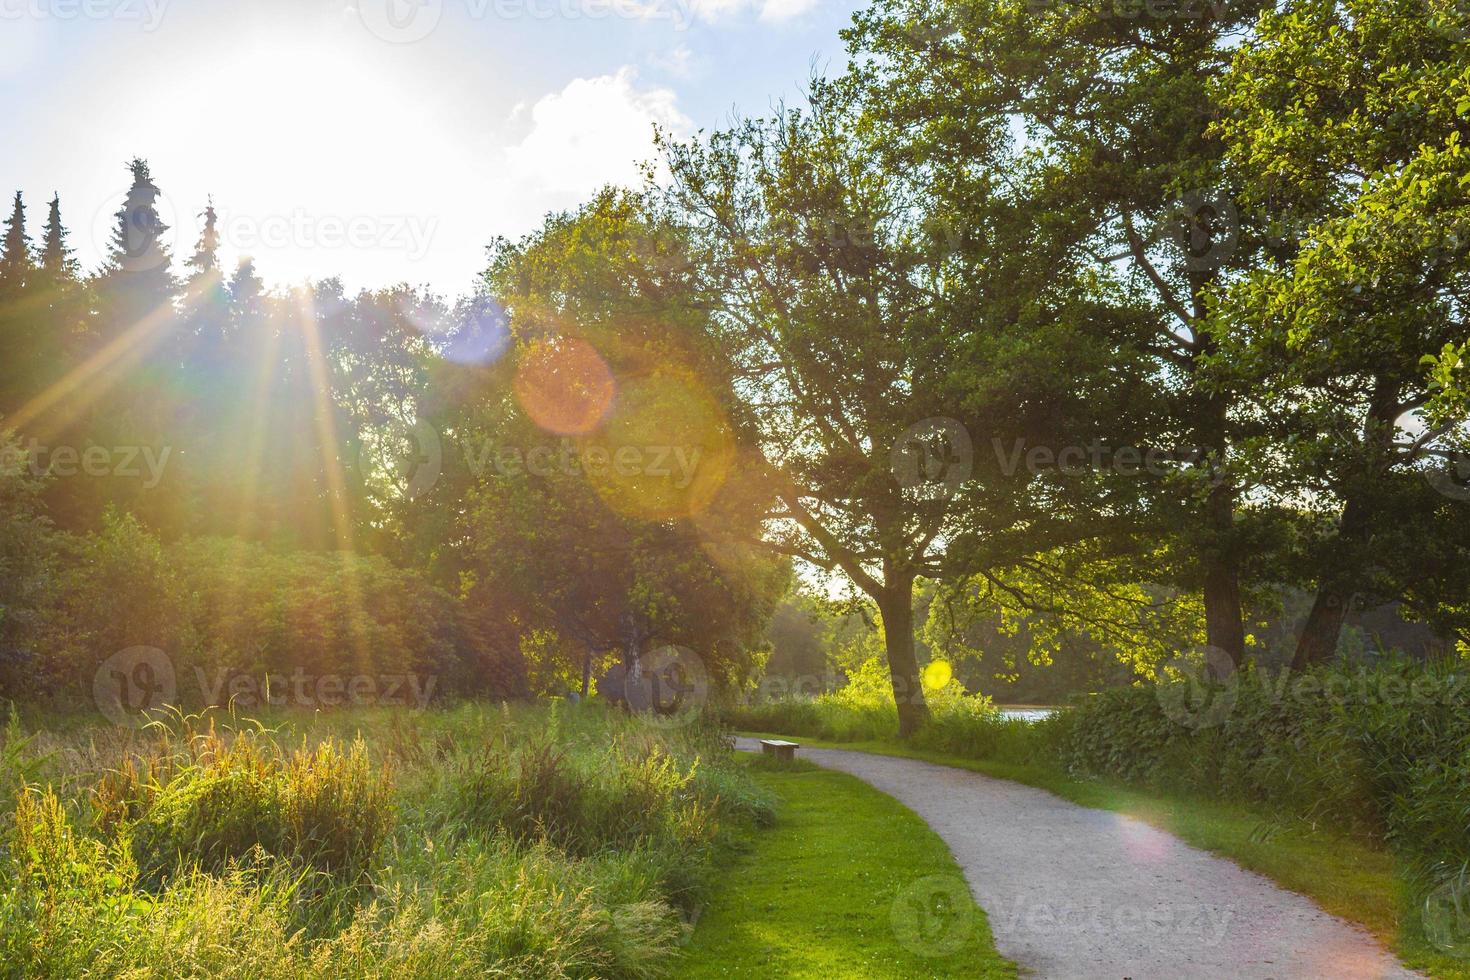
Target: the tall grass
pixel 474 841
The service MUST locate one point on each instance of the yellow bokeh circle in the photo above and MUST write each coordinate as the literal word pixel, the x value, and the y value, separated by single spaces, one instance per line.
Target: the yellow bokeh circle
pixel 938 674
pixel 664 449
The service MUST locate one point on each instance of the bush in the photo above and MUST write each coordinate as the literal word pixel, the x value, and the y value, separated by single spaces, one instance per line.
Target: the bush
pixel 1381 752
pixel 223 610
pixel 861 711
pixel 27 544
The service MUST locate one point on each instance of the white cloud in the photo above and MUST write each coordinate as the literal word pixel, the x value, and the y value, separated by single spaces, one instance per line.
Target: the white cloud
pixel 593 132
pixel 769 11
pixel 777 11
pixel 679 62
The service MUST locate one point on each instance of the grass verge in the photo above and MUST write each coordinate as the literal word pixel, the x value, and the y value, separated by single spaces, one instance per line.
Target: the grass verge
pixel 1345 876
pixel 850 883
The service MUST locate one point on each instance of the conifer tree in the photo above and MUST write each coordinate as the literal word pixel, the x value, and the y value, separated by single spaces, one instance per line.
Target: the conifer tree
pixel 16 262
pixel 57 259
pixel 247 292
pixel 204 264
pixel 208 299
pixel 138 243
pixel 138 279
pixel 64 327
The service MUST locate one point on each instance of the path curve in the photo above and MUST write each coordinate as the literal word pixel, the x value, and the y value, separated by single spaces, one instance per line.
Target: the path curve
pixel 1073 892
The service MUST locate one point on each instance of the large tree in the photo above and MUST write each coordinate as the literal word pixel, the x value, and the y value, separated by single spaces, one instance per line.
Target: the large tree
pixel 1115 112
pixel 137 281
pixel 57 259
pixel 873 332
pixel 586 476
pixel 1348 121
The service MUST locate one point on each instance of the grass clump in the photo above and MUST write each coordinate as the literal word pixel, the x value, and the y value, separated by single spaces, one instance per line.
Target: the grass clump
pixel 207 799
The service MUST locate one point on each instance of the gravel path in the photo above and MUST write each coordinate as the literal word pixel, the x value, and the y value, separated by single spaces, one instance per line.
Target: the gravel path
pixel 1095 895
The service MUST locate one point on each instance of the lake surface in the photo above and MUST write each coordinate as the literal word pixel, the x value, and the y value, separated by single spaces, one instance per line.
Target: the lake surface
pixel 1026 712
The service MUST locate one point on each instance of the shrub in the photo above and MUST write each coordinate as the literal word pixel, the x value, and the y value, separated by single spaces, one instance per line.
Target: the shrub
pixel 224 609
pixel 27 544
pixel 1379 751
pixel 863 710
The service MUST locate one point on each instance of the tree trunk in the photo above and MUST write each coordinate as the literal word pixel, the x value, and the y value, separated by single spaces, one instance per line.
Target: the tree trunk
pixel 1317 643
pixel 1344 560
pixel 897 606
pixel 1224 619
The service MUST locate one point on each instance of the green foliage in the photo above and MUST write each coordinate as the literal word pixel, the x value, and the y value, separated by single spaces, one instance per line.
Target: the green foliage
pixel 863 710
pixel 27 565
pixel 1378 752
pixel 1104 615
pixel 599 800
pixel 259 611
pixel 225 610
pixel 600 302
pixel 118 590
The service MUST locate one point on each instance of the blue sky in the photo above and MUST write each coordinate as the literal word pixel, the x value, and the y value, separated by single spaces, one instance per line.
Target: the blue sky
pixel 379 140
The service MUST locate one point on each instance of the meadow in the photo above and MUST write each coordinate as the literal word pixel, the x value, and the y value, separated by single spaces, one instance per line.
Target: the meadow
pixel 555 841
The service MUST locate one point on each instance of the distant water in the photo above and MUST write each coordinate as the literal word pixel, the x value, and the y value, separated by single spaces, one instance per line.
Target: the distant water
pixel 1026 713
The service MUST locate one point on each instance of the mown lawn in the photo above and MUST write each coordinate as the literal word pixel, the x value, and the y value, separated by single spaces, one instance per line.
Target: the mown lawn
pixel 1346 876
pixel 849 883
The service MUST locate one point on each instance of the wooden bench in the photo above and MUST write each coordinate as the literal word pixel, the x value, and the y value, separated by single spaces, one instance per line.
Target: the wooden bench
pixel 784 751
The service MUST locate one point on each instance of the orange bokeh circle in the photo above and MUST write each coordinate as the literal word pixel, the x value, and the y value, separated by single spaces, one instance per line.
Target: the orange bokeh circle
pixel 564 385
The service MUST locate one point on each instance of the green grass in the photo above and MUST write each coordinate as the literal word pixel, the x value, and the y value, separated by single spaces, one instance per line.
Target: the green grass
pixel 479 840
pixel 1347 876
pixel 850 883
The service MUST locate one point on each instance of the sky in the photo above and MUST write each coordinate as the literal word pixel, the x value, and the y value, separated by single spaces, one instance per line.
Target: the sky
pixel 381 141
